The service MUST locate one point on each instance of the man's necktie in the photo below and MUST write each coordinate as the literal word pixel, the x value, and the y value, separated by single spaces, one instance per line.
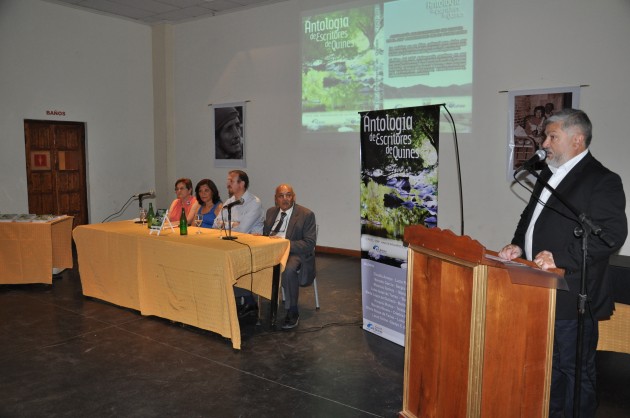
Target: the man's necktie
pixel 278 225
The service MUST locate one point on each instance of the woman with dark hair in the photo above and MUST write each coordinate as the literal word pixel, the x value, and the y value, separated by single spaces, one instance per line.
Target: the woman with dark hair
pixel 209 201
pixel 185 200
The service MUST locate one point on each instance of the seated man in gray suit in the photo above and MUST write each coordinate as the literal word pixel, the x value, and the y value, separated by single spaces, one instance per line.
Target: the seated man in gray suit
pixel 297 224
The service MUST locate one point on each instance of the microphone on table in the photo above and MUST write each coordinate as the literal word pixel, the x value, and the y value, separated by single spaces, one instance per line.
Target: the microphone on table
pixel 235 203
pixel 229 222
pixel 143 195
pixel 140 196
pixel 538 156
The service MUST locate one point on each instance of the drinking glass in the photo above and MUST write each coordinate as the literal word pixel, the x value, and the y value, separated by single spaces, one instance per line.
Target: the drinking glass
pixel 143 216
pixel 198 222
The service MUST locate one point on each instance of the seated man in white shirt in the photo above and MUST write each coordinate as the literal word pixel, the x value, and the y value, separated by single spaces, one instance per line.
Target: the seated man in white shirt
pixel 246 217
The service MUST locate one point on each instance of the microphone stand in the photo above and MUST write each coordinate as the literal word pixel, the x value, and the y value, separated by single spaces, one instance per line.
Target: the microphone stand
pixel 143 195
pixel 140 197
pixel 229 228
pixel 583 231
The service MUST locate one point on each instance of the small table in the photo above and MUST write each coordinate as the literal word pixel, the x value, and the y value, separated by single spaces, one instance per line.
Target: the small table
pixel 30 250
pixel 188 279
pixel 614 333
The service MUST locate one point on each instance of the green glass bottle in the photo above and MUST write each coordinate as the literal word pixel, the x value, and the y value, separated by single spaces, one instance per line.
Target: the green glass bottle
pixel 150 216
pixel 183 223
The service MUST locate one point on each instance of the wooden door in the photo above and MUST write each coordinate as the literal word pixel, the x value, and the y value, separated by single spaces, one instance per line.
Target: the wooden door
pixel 55 168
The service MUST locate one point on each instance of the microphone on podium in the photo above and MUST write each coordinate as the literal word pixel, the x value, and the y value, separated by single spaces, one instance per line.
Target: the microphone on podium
pixel 538 156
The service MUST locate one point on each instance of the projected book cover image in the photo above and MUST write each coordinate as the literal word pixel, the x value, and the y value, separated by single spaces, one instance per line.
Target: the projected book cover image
pixel 399 173
pixel 397 54
pixel 338 68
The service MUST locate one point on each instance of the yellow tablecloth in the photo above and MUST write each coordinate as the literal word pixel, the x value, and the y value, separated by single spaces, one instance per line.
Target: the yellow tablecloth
pixel 187 279
pixel 30 250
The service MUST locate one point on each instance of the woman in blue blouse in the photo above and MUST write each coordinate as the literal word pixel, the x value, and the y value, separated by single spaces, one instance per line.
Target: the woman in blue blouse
pixel 209 200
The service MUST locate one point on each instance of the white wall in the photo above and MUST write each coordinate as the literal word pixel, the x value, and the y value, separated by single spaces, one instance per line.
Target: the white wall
pixel 541 44
pixel 254 55
pixel 97 70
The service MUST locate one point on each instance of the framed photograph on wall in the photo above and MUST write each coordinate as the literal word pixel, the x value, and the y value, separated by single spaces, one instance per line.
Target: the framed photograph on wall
pixel 528 110
pixel 228 125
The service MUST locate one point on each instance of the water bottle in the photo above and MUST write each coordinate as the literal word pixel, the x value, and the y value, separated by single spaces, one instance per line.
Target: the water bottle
pixel 150 216
pixel 183 223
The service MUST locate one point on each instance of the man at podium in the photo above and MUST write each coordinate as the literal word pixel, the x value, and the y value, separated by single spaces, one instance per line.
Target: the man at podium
pixel 545 234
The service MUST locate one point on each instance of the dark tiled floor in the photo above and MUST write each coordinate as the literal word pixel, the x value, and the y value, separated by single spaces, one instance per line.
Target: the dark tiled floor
pixel 63 355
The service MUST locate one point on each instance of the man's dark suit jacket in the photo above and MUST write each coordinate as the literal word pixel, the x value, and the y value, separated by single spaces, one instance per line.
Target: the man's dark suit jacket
pixel 302 232
pixel 597 192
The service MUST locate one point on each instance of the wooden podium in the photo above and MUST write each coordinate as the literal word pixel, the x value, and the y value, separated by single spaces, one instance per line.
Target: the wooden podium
pixel 479 331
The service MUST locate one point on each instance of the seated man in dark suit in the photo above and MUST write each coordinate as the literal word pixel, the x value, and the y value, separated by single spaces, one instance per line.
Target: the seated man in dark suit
pixel 297 224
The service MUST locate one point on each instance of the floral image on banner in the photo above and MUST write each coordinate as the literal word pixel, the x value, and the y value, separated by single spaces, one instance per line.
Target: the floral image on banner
pixel 399 154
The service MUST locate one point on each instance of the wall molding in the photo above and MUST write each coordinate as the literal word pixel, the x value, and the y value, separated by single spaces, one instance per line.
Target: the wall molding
pixel 340 251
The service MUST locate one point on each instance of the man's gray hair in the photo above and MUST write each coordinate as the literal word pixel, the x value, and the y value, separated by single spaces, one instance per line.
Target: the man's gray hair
pixel 570 118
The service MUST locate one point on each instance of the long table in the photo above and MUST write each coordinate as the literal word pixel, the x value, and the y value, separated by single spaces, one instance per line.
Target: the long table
pixel 30 250
pixel 188 279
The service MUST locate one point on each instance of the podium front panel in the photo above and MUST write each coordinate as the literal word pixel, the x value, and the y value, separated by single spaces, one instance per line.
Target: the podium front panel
pixel 477 344
pixel 438 338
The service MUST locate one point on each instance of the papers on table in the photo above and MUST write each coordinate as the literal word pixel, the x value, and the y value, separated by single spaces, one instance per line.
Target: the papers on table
pixel 28 217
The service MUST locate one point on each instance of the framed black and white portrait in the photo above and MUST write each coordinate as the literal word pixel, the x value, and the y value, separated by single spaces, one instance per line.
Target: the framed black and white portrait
pixel 228 122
